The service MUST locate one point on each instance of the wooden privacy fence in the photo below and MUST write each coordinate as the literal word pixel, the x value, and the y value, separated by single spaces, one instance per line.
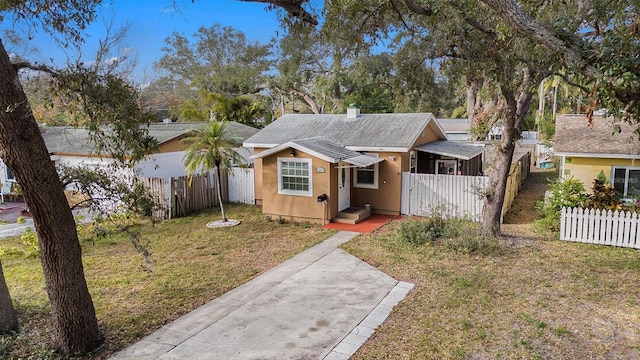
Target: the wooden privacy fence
pixel 453 195
pixel 180 196
pixel 191 194
pixel 604 227
pixel 517 174
pixel 156 187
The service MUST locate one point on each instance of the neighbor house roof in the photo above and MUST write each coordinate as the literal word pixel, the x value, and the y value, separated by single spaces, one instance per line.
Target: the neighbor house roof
pixel 165 132
pixel 453 149
pixel 324 149
pixel 574 138
pixel 367 132
pixel 71 140
pixel 67 140
pixel 454 125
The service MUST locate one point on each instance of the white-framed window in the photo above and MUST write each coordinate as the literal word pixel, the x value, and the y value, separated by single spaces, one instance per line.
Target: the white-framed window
pixel 366 177
pixel 413 161
pixel 626 181
pixel 295 177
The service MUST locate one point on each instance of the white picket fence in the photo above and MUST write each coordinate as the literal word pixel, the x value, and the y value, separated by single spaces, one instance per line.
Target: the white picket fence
pixel 241 186
pixel 604 227
pixel 455 196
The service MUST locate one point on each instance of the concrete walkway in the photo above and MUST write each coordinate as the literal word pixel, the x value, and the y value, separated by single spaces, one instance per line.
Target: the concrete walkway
pixel 14 229
pixel 321 304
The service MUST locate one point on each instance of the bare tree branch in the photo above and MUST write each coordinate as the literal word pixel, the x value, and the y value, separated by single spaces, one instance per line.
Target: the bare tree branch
pixel 27 65
pixel 417 8
pixel 293 7
pixel 520 22
pixel 303 95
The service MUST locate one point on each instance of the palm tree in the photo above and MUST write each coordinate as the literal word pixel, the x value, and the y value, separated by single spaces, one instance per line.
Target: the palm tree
pixel 212 147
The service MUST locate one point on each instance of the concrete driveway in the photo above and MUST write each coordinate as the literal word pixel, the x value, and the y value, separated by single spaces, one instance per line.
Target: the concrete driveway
pixel 321 304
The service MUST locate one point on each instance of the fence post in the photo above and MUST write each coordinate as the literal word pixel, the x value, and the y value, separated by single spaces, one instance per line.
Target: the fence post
pixel 563 222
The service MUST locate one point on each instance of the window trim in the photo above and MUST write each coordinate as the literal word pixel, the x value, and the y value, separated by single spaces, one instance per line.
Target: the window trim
pixel 281 191
pixel 376 175
pixel 7 171
pixel 626 177
pixel 413 161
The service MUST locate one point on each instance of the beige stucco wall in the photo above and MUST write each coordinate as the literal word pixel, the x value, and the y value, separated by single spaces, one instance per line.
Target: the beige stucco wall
pixel 587 169
pixel 299 208
pixel 172 145
pixel 428 135
pixel 386 198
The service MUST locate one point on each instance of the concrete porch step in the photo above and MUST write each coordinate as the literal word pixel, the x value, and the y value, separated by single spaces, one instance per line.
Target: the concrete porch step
pixel 352 216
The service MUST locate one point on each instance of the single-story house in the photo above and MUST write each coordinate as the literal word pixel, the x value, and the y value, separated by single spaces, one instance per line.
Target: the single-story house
pixel 456 129
pixel 167 161
pixel 319 167
pixel 586 151
pixel 72 146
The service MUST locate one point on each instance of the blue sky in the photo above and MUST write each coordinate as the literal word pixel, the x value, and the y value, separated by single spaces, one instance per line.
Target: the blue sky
pixel 151 21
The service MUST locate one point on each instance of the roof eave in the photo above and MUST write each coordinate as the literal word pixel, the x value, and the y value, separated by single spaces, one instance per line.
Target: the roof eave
pixel 293 145
pixel 597 155
pixel 378 149
pixel 258 145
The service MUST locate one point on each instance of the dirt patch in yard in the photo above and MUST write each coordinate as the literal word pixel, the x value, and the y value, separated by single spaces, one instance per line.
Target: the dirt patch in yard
pixel 518 221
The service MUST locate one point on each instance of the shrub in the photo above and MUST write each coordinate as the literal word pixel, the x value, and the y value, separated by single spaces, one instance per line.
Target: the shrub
pixel 416 231
pixel 603 196
pixel 30 241
pixel 421 231
pixel 567 193
pixel 453 234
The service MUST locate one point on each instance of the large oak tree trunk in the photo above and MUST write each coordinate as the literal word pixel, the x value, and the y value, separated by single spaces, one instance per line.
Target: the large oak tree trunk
pixel 492 209
pixel 8 317
pixel 515 108
pixel 23 150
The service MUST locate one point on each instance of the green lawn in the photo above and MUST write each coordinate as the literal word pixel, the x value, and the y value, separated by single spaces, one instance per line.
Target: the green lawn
pixel 191 266
pixel 534 299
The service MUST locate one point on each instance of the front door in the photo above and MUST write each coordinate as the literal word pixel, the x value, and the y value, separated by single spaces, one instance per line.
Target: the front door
pixel 344 187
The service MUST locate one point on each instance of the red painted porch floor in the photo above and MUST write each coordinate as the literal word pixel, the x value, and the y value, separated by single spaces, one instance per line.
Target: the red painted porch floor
pixel 368 225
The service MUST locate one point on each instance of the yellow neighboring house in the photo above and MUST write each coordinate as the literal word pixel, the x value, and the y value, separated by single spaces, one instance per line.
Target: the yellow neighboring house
pixel 322 167
pixel 586 151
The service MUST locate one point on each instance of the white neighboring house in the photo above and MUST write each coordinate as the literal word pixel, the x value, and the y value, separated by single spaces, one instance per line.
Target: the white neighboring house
pixel 72 146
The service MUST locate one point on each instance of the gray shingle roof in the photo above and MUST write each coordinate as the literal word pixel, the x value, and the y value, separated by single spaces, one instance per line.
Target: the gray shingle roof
pixel 62 139
pixel 67 139
pixel 453 149
pixel 455 125
pixel 573 136
pixel 165 132
pixel 324 148
pixel 368 130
